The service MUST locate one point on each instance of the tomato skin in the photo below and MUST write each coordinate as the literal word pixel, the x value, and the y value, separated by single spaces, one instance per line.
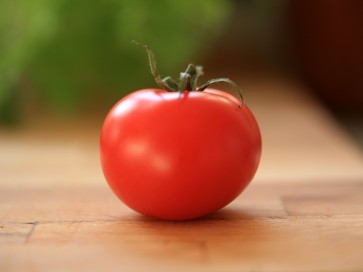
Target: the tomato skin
pixel 179 156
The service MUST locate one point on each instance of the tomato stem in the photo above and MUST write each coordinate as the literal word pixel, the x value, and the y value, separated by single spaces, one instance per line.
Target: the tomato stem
pixel 226 80
pixel 188 80
pixel 153 68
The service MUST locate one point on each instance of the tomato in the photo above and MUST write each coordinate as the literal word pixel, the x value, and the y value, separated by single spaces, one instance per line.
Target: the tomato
pixel 177 158
pixel 179 155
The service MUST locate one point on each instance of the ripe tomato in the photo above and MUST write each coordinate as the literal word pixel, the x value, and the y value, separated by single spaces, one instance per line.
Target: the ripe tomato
pixel 177 157
pixel 182 153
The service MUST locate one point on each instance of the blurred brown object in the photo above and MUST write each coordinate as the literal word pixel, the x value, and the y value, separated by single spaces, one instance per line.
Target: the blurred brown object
pixel 329 42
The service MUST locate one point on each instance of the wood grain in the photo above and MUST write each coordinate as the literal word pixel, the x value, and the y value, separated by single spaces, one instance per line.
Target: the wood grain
pixel 302 212
pixel 271 227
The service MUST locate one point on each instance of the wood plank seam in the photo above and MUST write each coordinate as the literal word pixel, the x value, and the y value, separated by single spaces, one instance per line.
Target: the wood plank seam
pixel 27 237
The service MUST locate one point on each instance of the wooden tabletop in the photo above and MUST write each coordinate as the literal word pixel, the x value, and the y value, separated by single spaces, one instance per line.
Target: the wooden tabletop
pixel 302 212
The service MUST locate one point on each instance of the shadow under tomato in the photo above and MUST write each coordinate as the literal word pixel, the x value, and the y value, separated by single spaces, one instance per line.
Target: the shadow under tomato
pixel 224 223
pixel 227 234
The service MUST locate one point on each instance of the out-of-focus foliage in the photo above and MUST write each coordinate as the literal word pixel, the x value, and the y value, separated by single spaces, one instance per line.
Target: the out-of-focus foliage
pixel 72 51
pixel 25 26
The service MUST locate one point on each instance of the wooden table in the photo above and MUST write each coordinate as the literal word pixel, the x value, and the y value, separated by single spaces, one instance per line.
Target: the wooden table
pixel 302 212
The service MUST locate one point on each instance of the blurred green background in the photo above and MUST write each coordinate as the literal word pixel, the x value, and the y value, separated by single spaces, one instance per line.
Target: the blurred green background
pixel 66 55
pixel 70 57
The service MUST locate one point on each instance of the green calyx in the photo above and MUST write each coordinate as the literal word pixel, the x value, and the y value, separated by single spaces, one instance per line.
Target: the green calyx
pixel 187 80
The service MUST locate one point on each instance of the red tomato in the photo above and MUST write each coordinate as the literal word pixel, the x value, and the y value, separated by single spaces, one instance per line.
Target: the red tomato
pixel 179 156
